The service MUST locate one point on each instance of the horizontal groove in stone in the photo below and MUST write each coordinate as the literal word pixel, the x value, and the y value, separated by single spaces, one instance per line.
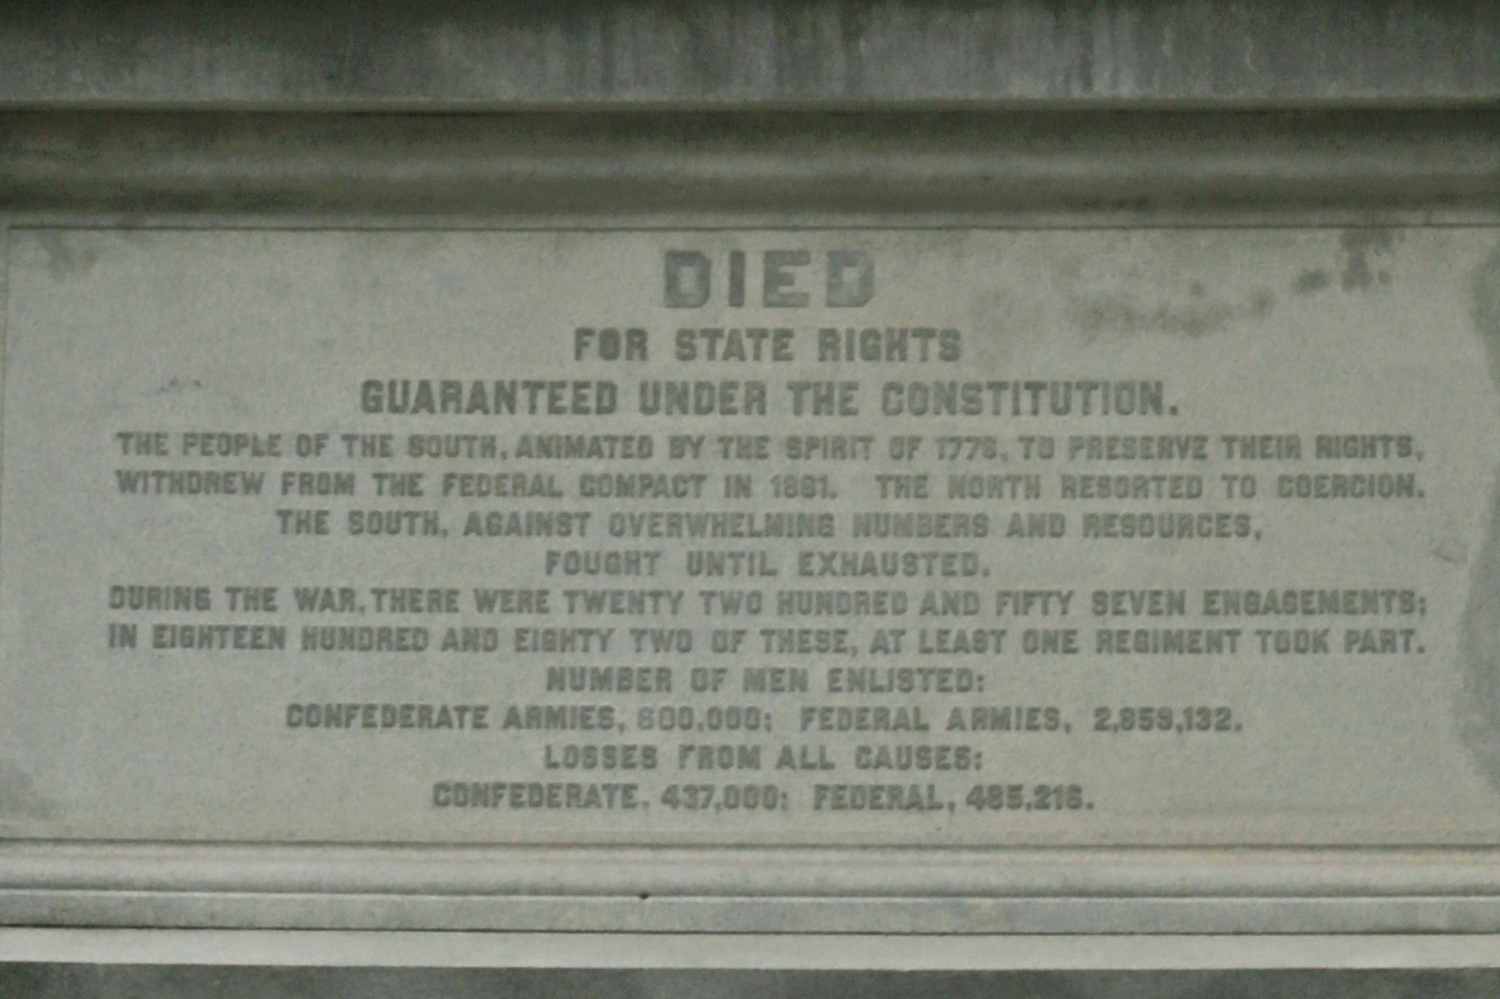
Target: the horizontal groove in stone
pixel 536 163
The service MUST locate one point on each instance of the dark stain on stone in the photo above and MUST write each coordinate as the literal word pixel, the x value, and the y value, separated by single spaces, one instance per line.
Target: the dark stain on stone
pixel 1198 316
pixel 19 797
pixel 1452 550
pixel 1310 281
pixel 1478 708
pixel 1485 287
pixel 175 385
pixel 1117 314
pixel 1359 244
pixel 64 258
pixel 1479 702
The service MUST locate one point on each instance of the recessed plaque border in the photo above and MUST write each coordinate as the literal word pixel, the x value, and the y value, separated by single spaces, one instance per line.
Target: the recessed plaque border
pixel 754 890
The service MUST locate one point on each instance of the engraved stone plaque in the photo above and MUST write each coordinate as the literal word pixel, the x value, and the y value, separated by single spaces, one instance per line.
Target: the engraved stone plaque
pixel 777 537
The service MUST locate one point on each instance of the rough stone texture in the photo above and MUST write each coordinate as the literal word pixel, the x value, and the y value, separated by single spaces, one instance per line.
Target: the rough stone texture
pixel 464 54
